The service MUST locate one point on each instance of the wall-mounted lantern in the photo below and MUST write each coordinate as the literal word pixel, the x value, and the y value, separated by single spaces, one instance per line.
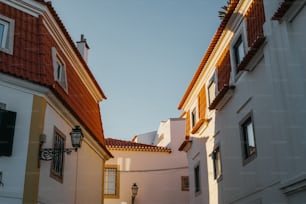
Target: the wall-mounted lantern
pixel 48 154
pixel 134 192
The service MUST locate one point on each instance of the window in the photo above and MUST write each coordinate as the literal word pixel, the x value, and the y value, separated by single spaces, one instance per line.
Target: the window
pixel 6 34
pixel 212 88
pixel 216 156
pixel 197 186
pixel 194 117
pixel 185 183
pixel 57 164
pixel 111 181
pixel 248 139
pixel 59 69
pixel 239 51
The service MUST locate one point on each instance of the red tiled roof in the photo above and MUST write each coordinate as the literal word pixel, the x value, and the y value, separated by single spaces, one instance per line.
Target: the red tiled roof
pixel 133 146
pixel 63 28
pixel 210 49
pixel 283 8
pixel 32 61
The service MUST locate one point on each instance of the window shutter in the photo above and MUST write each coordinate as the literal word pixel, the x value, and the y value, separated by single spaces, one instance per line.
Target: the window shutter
pixel 7 126
pixel 188 123
pixel 224 70
pixel 202 103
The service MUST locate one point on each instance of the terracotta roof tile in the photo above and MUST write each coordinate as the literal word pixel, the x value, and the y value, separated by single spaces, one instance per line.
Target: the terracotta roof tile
pixel 213 43
pixel 116 144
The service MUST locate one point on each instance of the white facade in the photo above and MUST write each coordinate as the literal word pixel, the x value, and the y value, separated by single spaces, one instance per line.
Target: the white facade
pixel 272 94
pixel 13 168
pixel 40 85
pixel 157 173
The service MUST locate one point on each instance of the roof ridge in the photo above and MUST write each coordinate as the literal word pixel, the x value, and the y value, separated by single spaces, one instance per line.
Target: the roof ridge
pixel 125 144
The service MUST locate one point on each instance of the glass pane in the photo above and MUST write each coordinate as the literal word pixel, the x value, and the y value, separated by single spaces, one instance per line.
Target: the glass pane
pixel 239 50
pixel 250 133
pixel 110 181
pixel 211 92
pixel 1 33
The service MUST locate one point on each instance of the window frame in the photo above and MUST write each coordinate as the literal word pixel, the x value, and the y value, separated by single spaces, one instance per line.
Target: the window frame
pixel 116 182
pixel 7 44
pixel 247 156
pixel 58 160
pixel 217 162
pixel 194 116
pixel 213 80
pixel 59 76
pixel 185 184
pixel 197 179
pixel 240 34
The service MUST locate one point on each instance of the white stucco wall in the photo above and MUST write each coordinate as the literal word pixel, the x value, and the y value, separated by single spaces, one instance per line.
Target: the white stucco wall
pixel 13 167
pixel 275 94
pixel 146 169
pixel 157 174
pixel 83 170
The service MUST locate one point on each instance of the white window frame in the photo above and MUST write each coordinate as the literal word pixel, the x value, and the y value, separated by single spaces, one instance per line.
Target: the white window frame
pixel 213 80
pixel 197 179
pixel 59 76
pixel 7 43
pixel 216 157
pixel 194 116
pixel 240 33
pixel 248 154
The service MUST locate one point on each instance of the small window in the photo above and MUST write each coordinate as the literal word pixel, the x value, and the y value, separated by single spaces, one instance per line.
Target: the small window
pixel 248 138
pixel 185 183
pixel 212 89
pixel 216 156
pixel 57 164
pixel 197 186
pixel 59 69
pixel 6 34
pixel 194 117
pixel 239 50
pixel 111 182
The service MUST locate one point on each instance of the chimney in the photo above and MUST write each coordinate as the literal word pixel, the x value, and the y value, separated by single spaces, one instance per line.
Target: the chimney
pixel 83 48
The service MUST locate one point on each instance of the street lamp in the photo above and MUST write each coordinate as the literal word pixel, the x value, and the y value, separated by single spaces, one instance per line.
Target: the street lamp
pixel 48 154
pixel 134 192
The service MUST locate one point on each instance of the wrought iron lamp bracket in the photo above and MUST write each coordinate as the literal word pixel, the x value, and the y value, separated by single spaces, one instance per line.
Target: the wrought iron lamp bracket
pixel 48 154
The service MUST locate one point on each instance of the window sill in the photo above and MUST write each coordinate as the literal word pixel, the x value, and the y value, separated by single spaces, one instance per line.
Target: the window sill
pixel 186 145
pixel 198 125
pixel 247 160
pixel 294 184
pixel 251 53
pixel 282 10
pixel 222 98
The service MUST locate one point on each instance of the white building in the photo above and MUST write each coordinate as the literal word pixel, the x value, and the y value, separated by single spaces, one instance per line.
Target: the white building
pixel 159 170
pixel 244 108
pixel 46 91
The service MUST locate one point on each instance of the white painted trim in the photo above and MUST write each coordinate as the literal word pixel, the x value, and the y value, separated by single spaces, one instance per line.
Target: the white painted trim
pixel 9 24
pixel 22 85
pixel 28 6
pixel 60 39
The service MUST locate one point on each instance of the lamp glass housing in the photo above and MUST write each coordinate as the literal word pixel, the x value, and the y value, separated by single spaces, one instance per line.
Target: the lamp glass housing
pixel 134 189
pixel 76 137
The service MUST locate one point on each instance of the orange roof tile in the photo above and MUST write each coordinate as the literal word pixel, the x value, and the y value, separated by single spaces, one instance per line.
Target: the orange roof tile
pixel 210 49
pixel 116 144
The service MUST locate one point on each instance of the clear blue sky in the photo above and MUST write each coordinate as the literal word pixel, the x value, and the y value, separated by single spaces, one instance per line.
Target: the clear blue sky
pixel 143 54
